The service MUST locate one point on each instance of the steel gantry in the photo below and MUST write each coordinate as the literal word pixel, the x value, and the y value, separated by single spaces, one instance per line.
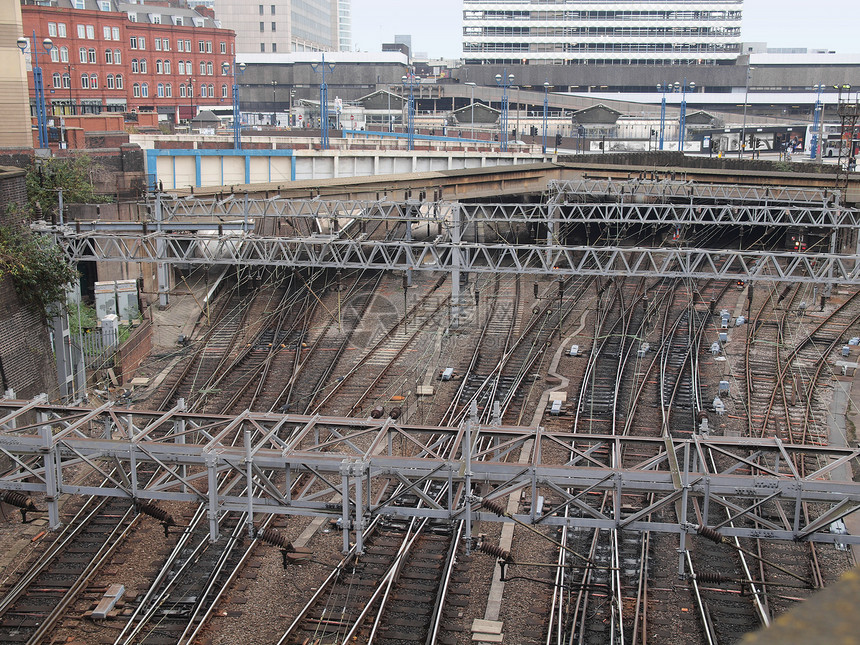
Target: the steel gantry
pixel 232 229
pixel 357 469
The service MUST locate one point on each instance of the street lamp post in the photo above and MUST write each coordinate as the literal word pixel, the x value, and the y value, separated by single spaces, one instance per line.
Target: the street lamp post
pixel 663 88
pixel 410 81
pixel 682 119
pixel 234 71
pixel 71 100
pixel 504 81
pixel 38 83
pixel 545 110
pixel 816 122
pixel 472 88
pixel 191 101
pixel 744 126
pixel 323 67
pixel 274 105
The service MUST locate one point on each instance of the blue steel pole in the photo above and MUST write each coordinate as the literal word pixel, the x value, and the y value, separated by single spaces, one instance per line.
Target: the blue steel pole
pixel 323 102
pixel 662 116
pixel 504 81
pixel 545 108
pixel 683 118
pixel 410 116
pixel 41 117
pixel 816 120
pixel 39 88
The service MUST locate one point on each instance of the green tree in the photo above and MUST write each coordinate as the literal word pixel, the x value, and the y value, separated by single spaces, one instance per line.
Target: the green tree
pixel 37 266
pixel 72 174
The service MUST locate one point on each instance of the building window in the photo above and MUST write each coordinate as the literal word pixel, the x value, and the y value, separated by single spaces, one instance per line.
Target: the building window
pixel 91 32
pixel 201 46
pixel 135 90
pixel 115 32
pixel 119 81
pixel 104 5
pixel 178 21
pixel 85 82
pixel 82 31
pixel 203 91
pixel 179 46
pixel 67 81
pixel 223 47
pixel 165 44
pixel 263 48
pixel 167 67
pixel 132 17
pixel 144 89
pixel 61 29
pixel 156 19
pixel 106 32
pixel 273 10
pixel 168 90
pixel 158 44
pixel 182 67
pixel 117 57
pixel 79 4
pixel 159 68
pixel 83 54
pixel 182 90
pixel 159 90
pixel 202 67
pixel 274 26
pixel 209 68
pixel 224 91
pixel 211 91
pixel 134 67
pixel 94 82
pixel 141 42
pixel 143 66
pixel 261 10
pixel 91 54
pixel 262 27
pixel 56 79
pixel 108 57
pixel 188 68
pixel 109 81
pixel 55 54
pixel 132 42
pixel 64 54
pixel 274 48
pixel 208 46
pixel 52 29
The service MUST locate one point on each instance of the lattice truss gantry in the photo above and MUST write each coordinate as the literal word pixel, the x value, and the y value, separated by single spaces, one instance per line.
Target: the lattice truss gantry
pixel 356 469
pixel 480 238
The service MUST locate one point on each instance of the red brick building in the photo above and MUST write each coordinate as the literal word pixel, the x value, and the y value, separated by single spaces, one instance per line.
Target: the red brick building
pixel 118 57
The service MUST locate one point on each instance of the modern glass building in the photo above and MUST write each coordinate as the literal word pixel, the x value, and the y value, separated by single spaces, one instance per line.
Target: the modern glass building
pixel 570 32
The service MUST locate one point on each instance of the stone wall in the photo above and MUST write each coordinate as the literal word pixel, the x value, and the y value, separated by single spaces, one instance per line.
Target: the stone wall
pixel 26 357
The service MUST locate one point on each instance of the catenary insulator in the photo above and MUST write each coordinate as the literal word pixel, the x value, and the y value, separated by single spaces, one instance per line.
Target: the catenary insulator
pixel 712 578
pixel 495 550
pixel 272 536
pixel 711 534
pixel 495 507
pixel 15 498
pixel 148 508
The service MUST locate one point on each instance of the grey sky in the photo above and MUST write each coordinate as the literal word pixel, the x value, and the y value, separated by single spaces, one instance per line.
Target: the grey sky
pixel 436 25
